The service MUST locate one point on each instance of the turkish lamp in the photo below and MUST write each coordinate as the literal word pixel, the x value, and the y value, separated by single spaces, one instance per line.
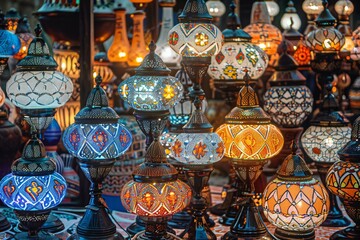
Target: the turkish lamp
pixel 138 49
pixel 120 47
pixel 97 140
pixel 273 8
pixel 165 52
pixel 342 180
pixel 290 18
pixel 12 18
pixel 309 199
pixel 67 58
pixel 155 193
pixel 288 101
pixel 312 8
pixel 24 34
pixel 263 33
pixel 302 54
pixel 237 55
pixel 102 67
pixel 10 43
pixel 344 8
pixel 216 8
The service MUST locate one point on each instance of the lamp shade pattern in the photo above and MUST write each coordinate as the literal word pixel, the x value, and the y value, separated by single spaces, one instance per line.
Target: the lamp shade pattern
pixel 296 206
pixel 25 40
pixel 149 93
pixel 251 142
pixel 302 54
pixel 288 106
pixel 97 141
pixel 234 58
pixel 195 39
pixel 322 143
pixel 39 89
pixel 155 199
pixel 198 148
pixel 9 43
pixel 32 193
pixel 325 39
pixel 343 180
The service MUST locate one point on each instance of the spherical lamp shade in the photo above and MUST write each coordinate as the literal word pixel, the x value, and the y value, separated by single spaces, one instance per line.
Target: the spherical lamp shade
pixel 344 7
pixel 149 92
pixel 290 19
pixel 321 143
pixel 312 7
pixel 272 7
pixel 216 8
pixel 32 193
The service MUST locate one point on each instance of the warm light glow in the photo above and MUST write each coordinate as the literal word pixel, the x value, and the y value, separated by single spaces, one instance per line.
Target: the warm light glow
pixel 139 59
pixel 95 74
pixel 122 54
pixel 169 92
pixel 329 142
pixel 327 43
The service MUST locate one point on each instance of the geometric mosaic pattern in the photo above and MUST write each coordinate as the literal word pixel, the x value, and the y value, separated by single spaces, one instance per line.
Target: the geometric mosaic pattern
pixel 234 58
pixel 325 39
pixel 258 142
pixel 97 141
pixel 296 206
pixel 288 106
pixel 155 199
pixel 32 193
pixel 321 144
pixel 343 180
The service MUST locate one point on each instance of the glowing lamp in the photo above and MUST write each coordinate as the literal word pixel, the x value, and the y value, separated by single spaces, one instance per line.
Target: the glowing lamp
pixel 290 19
pixel 302 54
pixel 141 4
pixel 344 8
pixel 138 49
pixel 216 8
pixel 309 200
pixel 12 18
pixel 119 49
pixel 272 7
pixel 263 33
pixel 102 67
pixel 23 33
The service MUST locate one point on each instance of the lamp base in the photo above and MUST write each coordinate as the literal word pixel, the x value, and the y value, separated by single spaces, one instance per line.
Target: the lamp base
pixel 52 225
pixel 290 235
pixel 347 233
pixel 142 236
pixel 40 235
pixel 180 220
pixel 139 226
pixel 116 236
pixel 5 225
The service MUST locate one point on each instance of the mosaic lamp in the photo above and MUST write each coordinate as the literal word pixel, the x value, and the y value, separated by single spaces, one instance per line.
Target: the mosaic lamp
pixel 263 33
pixel 138 49
pixel 97 140
pixel 10 43
pixel 344 8
pixel 329 131
pixel 12 18
pixel 165 52
pixel 343 180
pixel 250 141
pixel 290 19
pixel 288 101
pixel 118 51
pixel 312 8
pixel 155 193
pixel 237 53
pixel 24 34
pixel 308 198
pixel 273 8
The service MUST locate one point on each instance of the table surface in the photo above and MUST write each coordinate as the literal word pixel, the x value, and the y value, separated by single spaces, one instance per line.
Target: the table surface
pixel 70 220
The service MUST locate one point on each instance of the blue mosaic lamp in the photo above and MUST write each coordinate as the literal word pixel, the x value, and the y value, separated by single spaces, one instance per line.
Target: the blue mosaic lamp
pixel 9 43
pixel 97 139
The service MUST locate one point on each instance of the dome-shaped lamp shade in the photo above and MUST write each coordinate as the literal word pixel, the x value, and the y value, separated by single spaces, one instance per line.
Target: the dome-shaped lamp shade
pixel 312 7
pixel 325 40
pixel 288 106
pixel 234 57
pixel 343 180
pixel 216 8
pixel 32 193
pixel 251 142
pixel 322 143
pixel 198 148
pixel 155 199
pixel 297 206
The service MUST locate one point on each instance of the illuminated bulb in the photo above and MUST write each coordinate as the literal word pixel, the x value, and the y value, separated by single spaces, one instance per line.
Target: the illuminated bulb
pixel 139 59
pixel 329 142
pixel 122 54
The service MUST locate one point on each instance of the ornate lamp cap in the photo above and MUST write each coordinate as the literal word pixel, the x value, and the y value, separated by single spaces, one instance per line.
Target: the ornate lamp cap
pixel 23 26
pixel 198 122
pixel 97 108
pixel 351 151
pixel 155 168
pixel 290 7
pixel 294 167
pixel 152 64
pixel 195 11
pixel 38 57
pixel 248 110
pixel 233 31
pixel 286 73
pixel 34 160
pixel 325 18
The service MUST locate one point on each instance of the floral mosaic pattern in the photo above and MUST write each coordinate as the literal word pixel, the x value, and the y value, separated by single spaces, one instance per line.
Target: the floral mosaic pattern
pixel 97 141
pixel 195 39
pixel 157 199
pixel 39 89
pixel 288 106
pixel 258 142
pixel 151 93
pixel 32 193
pixel 234 58
pixel 302 54
pixel 296 206
pixel 321 144
pixel 325 39
pixel 197 148
pixel 343 180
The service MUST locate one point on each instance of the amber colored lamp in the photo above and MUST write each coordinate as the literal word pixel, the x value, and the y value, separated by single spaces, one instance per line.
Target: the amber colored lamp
pixel 25 36
pixel 138 49
pixel 295 202
pixel 263 33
